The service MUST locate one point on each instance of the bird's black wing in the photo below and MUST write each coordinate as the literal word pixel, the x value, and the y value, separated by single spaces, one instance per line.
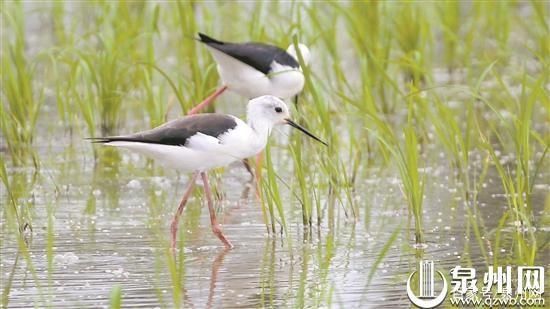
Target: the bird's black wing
pixel 257 55
pixel 178 131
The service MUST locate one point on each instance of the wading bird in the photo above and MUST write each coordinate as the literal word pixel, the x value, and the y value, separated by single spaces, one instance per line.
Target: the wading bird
pixel 198 143
pixel 255 69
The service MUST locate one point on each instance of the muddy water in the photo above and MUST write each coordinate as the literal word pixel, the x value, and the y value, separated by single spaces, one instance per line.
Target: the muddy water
pixel 109 227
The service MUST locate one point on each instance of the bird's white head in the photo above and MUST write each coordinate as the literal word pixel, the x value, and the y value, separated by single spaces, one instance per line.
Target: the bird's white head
pixel 291 50
pixel 268 109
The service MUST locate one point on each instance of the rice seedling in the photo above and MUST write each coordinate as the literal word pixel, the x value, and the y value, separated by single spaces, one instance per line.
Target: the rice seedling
pixel 375 40
pixel 111 62
pixel 497 17
pixel 325 256
pixel 199 78
pixel 518 184
pixel 457 139
pixel 18 210
pixel 21 101
pixel 10 213
pixel 164 259
pixel 406 155
pixel 8 282
pixel 116 297
pixel 64 37
pixel 105 73
pixel 331 162
pixel 540 33
pixel 449 14
pixel 155 99
pixel 301 291
pixel 267 274
pixel 272 197
pixel 18 218
pixel 412 33
pixel 303 189
pixel 63 101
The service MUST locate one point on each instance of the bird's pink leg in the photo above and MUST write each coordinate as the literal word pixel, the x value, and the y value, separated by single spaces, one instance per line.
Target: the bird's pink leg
pixel 207 101
pixel 215 226
pixel 175 221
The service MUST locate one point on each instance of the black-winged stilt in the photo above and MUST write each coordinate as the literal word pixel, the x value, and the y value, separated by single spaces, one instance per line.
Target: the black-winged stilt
pixel 255 69
pixel 198 143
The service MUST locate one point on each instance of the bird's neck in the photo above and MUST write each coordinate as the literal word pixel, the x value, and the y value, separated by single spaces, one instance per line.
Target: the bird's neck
pixel 261 129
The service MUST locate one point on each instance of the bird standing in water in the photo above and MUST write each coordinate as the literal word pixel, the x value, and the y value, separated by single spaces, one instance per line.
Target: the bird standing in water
pixel 255 69
pixel 198 143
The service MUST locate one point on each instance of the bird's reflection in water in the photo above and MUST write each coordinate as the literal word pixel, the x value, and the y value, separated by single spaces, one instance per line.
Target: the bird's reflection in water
pixel 216 264
pixel 215 267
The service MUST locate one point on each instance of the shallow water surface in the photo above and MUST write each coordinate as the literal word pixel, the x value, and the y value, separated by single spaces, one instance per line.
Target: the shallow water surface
pixel 109 227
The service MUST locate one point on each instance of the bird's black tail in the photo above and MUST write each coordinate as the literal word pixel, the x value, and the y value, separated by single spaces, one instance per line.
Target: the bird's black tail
pixel 99 140
pixel 129 138
pixel 208 40
pixel 108 139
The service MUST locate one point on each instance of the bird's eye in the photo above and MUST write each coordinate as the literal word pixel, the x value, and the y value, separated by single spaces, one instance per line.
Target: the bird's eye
pixel 278 109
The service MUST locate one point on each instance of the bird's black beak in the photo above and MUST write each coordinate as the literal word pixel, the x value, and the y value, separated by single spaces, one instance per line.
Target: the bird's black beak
pixel 306 132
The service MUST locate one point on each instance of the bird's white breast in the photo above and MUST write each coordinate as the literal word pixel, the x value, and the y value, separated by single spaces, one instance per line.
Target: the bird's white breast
pixel 286 81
